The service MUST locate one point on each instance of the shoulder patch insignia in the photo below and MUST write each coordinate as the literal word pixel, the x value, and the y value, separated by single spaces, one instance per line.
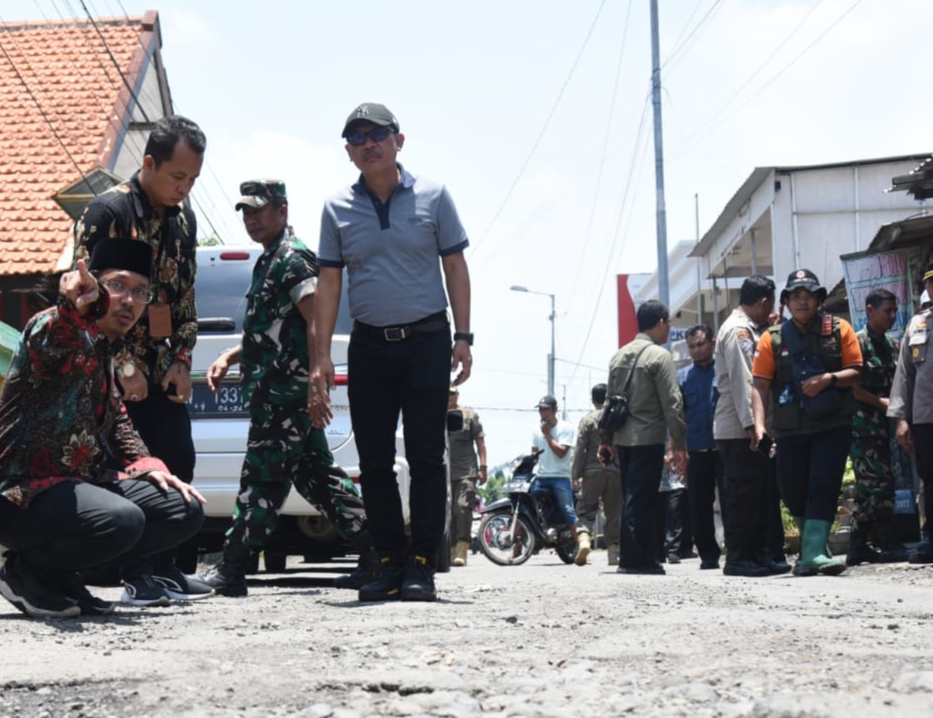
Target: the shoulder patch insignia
pixel 827 327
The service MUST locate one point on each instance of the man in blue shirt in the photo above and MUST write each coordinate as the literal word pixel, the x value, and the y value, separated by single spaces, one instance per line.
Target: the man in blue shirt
pixel 400 240
pixel 704 472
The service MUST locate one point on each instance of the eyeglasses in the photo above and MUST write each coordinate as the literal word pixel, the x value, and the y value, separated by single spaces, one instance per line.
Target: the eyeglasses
pixel 143 296
pixel 377 134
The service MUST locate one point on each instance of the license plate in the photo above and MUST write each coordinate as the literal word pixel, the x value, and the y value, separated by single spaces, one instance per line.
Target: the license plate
pixel 228 402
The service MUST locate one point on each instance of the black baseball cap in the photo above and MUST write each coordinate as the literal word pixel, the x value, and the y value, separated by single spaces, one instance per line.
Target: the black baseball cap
pixel 373 113
pixel 803 279
pixel 547 401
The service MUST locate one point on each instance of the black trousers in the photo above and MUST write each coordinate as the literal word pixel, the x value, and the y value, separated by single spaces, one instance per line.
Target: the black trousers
pixel 76 526
pixel 411 376
pixel 810 469
pixel 923 441
pixel 165 427
pixel 751 515
pixel 672 521
pixel 704 475
pixel 640 467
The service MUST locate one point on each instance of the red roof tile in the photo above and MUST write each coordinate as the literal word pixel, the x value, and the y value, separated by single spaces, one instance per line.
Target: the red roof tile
pixel 58 79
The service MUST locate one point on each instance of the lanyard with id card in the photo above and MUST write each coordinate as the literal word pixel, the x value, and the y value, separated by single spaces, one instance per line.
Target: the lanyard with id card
pixel 160 321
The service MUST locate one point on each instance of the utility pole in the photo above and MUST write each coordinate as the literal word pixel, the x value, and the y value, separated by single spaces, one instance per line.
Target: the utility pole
pixel 663 287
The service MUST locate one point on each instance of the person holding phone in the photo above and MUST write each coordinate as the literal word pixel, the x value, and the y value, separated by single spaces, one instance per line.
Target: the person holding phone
pixel 751 514
pixel 806 367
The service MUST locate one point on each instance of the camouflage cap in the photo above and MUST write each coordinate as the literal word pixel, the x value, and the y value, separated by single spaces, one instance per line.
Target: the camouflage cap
pixel 258 193
pixel 373 113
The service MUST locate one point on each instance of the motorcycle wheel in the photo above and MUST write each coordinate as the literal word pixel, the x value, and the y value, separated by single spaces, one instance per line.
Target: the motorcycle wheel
pixel 497 543
pixel 567 550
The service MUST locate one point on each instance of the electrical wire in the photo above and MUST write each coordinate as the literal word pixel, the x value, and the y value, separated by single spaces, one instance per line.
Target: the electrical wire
pixel 207 164
pixel 689 141
pixel 35 99
pixel 541 134
pixel 588 235
pixel 145 115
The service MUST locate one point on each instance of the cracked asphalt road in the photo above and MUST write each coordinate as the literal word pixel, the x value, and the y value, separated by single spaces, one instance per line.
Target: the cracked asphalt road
pixel 543 639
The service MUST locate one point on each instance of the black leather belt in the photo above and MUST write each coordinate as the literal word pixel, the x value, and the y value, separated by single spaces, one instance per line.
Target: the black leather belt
pixel 428 325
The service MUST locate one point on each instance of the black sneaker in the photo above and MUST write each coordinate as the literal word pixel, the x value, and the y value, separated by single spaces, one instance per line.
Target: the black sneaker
pixel 143 591
pixel 923 553
pixel 32 593
pixel 388 587
pixel 89 604
pixel 744 567
pixel 367 571
pixel 227 578
pixel 709 564
pixel 418 581
pixel 648 569
pixel 180 587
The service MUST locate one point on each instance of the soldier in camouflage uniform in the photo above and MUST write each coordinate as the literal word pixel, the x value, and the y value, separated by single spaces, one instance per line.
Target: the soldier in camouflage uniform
pixel 871 438
pixel 283 447
pixel 464 429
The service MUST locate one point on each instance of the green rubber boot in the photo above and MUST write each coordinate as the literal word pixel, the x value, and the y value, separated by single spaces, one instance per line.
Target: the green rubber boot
pixel 813 558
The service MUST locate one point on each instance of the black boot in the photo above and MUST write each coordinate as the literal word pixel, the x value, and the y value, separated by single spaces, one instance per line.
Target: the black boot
pixel 388 584
pixel 368 569
pixel 892 550
pixel 228 576
pixel 859 551
pixel 418 580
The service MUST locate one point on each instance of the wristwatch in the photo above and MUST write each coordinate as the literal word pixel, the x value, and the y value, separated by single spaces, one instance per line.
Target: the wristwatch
pixel 464 336
pixel 127 370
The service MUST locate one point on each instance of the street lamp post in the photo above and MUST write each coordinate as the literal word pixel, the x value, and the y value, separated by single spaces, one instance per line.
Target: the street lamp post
pixel 552 356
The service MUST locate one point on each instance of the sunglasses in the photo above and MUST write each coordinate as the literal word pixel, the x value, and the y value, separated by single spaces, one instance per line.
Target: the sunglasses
pixel 377 134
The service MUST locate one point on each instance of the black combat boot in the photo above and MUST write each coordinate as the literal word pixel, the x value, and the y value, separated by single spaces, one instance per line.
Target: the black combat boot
pixel 388 585
pixel 228 576
pixel 892 550
pixel 418 581
pixel 859 551
pixel 368 569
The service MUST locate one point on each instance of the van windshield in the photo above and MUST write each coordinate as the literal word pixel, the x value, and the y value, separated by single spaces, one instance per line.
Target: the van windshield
pixel 221 286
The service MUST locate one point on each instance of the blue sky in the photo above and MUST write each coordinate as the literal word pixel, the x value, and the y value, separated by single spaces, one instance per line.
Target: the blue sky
pixel 536 115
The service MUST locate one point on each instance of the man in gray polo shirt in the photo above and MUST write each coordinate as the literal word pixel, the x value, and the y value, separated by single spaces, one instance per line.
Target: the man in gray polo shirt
pixel 394 233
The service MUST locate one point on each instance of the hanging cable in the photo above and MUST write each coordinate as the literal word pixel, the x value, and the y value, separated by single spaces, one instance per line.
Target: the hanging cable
pixel 534 147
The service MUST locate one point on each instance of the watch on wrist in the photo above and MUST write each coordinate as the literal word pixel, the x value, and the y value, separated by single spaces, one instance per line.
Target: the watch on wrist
pixel 464 337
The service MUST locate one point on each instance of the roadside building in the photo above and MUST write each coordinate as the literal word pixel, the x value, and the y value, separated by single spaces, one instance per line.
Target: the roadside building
pixel 77 99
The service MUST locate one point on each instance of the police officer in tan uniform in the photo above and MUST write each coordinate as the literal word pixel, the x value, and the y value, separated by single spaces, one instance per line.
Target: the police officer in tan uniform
pixel 910 404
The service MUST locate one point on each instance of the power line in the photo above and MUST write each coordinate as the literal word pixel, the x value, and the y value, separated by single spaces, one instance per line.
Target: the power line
pixel 207 164
pixel 36 101
pixel 537 142
pixel 703 20
pixel 780 72
pixel 142 109
pixel 602 164
pixel 610 263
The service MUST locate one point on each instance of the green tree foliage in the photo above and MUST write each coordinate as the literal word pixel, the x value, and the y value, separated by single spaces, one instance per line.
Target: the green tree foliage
pixel 492 489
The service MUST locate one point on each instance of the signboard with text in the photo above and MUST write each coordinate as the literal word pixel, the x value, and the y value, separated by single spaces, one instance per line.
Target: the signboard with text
pixel 865 271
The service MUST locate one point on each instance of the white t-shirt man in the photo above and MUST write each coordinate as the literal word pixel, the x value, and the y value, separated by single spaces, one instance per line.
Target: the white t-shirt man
pixel 548 464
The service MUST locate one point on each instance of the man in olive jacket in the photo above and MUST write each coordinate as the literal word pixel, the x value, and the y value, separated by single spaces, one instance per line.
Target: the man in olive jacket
pixel 655 409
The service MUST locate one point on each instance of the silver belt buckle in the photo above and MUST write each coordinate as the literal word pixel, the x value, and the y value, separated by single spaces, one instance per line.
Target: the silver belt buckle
pixel 394 334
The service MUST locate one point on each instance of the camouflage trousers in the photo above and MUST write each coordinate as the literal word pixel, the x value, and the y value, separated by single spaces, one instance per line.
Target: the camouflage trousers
pixel 283 448
pixel 874 481
pixel 462 503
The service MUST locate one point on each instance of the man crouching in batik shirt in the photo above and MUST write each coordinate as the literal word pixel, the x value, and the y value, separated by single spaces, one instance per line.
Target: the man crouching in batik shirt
pixel 61 512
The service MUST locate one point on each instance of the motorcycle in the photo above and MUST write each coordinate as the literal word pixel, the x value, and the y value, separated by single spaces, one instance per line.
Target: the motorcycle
pixel 515 528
